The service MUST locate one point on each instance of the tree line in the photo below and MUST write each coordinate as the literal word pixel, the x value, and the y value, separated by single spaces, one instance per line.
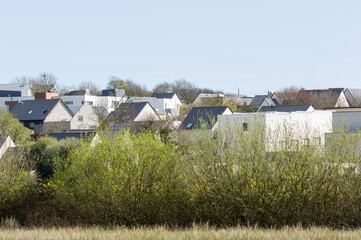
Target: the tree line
pixel 46 81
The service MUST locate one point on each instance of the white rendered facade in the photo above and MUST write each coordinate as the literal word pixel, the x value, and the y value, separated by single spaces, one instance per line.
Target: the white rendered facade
pixel 281 130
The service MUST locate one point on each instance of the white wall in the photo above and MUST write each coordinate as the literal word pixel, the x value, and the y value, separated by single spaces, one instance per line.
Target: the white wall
pixel 58 114
pixel 147 114
pixel 282 129
pixel 85 118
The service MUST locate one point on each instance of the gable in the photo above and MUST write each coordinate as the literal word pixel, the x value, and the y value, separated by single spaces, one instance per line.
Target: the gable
pixel 146 114
pixel 59 113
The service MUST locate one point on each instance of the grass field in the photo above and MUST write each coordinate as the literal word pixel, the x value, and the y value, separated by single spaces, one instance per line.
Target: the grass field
pixel 192 233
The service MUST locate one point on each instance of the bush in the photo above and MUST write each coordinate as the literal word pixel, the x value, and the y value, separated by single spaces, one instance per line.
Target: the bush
pixel 125 179
pixel 45 149
pixel 16 183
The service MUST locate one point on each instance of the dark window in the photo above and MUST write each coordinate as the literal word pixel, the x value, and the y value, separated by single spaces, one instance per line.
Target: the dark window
pixel 245 126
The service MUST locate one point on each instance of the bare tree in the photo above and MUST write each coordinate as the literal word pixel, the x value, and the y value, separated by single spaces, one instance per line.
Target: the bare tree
pixel 288 95
pixel 45 81
pixel 94 89
pixel 133 89
pixel 164 87
pixel 186 91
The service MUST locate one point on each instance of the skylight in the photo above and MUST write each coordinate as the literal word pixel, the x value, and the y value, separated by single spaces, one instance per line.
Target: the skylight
pixel 189 125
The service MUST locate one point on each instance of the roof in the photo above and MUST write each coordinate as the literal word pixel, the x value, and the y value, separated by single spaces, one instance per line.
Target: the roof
pixel 78 92
pixel 285 108
pixel 321 90
pixel 127 111
pixel 258 99
pixel 353 96
pixel 74 109
pixel 33 109
pixel 200 117
pixel 163 95
pixel 78 135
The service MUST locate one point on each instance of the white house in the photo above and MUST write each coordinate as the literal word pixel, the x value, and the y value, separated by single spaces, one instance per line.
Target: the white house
pixel 281 130
pixel 163 103
pixel 109 99
pixel 14 93
pixel 84 118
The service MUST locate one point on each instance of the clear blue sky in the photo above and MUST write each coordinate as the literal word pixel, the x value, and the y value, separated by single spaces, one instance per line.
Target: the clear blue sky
pixel 255 45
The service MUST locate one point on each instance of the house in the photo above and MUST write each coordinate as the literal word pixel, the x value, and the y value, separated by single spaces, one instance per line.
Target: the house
pixel 163 103
pixel 286 108
pixel 14 93
pixel 279 130
pixel 43 115
pixel 336 95
pixel 133 112
pixel 271 99
pixel 85 117
pixel 204 117
pixel 109 99
pixel 5 144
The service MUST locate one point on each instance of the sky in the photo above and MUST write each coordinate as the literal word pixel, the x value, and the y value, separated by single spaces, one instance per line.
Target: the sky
pixel 253 46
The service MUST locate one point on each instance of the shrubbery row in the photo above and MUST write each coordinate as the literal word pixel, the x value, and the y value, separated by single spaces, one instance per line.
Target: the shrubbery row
pixel 138 179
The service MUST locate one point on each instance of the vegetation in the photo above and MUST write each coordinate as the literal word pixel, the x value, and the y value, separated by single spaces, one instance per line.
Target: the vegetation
pixel 224 179
pixel 189 233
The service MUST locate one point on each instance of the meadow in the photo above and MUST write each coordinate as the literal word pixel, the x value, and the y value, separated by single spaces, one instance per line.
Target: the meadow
pixel 195 233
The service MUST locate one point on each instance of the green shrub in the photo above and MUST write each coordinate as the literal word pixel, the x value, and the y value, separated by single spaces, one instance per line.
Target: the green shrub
pixel 125 179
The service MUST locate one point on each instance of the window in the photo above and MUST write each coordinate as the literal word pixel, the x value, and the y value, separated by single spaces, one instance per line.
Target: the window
pixel 69 102
pixel 82 102
pixel 90 103
pixel 80 118
pixel 245 126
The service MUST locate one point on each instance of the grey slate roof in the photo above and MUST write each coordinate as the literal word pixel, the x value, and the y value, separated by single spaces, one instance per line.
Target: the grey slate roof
pixel 74 109
pixel 200 117
pixel 285 108
pixel 78 135
pixel 127 111
pixel 33 109
pixel 319 91
pixel 353 96
pixel 163 95
pixel 258 99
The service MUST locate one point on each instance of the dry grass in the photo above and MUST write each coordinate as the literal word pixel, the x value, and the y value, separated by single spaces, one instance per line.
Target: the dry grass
pixel 192 233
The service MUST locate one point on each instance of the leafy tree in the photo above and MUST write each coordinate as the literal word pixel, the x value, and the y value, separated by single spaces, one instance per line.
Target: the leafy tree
pixel 11 126
pixel 46 149
pixel 115 82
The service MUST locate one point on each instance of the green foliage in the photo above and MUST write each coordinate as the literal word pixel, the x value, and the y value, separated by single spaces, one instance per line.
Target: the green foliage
pixel 127 179
pixel 46 149
pixel 16 182
pixel 11 126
